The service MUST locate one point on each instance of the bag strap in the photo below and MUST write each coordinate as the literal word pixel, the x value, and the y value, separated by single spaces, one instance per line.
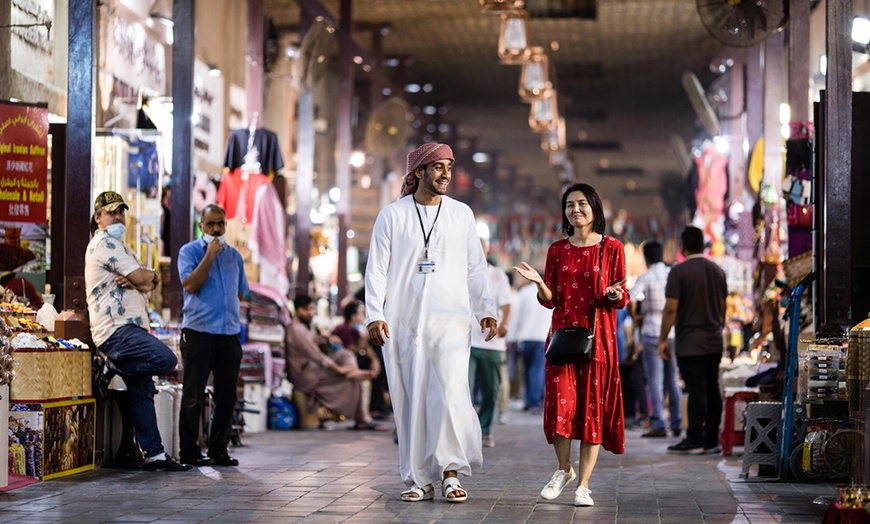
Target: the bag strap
pixel 598 285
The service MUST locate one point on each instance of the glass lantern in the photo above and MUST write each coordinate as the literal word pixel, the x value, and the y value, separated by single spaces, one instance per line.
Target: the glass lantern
pixel 535 75
pixel 512 41
pixel 553 138
pixel 544 112
pixel 501 6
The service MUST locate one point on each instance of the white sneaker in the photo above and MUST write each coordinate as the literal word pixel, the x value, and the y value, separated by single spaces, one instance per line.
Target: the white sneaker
pixel 554 488
pixel 582 497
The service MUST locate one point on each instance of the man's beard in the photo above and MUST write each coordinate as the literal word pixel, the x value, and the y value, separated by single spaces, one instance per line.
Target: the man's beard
pixel 306 322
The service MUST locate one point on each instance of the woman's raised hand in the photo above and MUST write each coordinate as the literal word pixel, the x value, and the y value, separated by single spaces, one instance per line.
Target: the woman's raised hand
pixel 529 273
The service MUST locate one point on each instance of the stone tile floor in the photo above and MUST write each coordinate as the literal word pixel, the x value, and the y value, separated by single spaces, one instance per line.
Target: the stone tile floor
pixel 351 476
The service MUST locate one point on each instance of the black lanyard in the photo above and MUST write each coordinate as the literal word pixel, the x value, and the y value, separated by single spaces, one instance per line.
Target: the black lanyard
pixel 426 237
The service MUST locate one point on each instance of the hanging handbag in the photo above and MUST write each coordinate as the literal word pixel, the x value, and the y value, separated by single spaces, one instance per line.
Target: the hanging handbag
pixel 573 345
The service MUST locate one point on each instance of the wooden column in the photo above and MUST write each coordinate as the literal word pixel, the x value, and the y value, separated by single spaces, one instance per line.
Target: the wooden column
pixel 799 60
pixel 754 94
pixel 183 12
pixel 774 80
pixel 254 63
pixel 79 166
pixel 304 172
pixel 834 253
pixel 343 143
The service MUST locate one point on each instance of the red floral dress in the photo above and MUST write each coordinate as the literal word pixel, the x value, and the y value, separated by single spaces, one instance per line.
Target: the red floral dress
pixel 584 401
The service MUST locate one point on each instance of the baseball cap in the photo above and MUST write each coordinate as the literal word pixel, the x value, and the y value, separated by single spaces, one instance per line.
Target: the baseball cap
pixel 109 201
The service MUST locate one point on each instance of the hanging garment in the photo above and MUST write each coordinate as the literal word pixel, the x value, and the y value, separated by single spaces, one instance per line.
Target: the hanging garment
pixel 266 143
pixel 268 239
pixel 712 185
pixel 237 192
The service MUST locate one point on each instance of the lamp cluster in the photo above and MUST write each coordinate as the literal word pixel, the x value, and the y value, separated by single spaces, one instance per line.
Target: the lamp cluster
pixel 536 86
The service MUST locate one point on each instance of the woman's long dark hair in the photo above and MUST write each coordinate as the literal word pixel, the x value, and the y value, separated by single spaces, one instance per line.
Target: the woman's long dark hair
pixel 594 200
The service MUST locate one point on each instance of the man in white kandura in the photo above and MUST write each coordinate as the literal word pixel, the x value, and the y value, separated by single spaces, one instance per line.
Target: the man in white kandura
pixel 426 277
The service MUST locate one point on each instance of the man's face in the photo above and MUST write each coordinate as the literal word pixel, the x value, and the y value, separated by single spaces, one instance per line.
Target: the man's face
pixel 435 177
pixel 306 314
pixel 105 218
pixel 214 223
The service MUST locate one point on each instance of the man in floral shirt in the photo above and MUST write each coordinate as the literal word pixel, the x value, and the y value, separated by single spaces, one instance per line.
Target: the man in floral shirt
pixel 117 285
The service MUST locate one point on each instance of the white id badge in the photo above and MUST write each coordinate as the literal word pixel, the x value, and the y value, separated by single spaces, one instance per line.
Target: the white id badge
pixel 425 265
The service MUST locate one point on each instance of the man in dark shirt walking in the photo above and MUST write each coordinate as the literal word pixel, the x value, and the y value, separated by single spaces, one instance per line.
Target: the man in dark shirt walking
pixel 695 305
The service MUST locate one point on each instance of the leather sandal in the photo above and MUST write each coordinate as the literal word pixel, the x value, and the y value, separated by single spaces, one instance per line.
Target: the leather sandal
pixel 416 494
pixel 451 485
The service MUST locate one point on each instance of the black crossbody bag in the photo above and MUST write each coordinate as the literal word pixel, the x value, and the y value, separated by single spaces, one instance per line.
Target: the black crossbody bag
pixel 575 344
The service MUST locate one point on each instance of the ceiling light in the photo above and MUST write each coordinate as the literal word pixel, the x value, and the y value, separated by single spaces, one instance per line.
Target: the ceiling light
pixel 554 137
pixel 501 6
pixel 480 157
pixel 544 112
pixel 512 41
pixel 427 88
pixel 412 88
pixel 430 110
pixel 861 31
pixel 357 159
pixel 535 75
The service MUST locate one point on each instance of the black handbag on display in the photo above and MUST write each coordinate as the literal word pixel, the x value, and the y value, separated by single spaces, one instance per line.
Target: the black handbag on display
pixel 574 345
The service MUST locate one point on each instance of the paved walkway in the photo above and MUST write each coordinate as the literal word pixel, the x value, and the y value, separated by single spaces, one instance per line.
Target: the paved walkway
pixel 351 476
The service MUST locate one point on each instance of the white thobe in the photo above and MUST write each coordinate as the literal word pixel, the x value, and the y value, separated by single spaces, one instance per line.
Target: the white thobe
pixel 430 321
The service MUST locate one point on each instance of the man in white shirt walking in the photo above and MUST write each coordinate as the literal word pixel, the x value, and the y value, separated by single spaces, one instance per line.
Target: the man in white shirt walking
pixel 426 277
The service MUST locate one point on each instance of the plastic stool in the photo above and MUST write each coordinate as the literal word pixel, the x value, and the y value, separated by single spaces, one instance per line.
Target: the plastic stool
pixel 762 428
pixel 731 436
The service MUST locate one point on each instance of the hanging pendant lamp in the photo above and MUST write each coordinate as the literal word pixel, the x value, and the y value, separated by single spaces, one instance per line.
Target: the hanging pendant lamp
pixel 512 37
pixel 544 111
pixel 501 6
pixel 535 75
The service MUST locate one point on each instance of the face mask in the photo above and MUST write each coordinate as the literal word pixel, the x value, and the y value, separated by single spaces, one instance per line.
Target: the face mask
pixel 116 231
pixel 208 238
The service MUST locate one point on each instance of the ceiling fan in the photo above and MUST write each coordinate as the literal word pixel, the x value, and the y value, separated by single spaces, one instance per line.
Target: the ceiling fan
pixel 389 127
pixel 707 115
pixel 739 23
pixel 314 54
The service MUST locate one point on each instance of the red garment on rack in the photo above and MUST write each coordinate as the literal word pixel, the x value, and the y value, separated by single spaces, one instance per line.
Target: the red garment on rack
pixel 238 188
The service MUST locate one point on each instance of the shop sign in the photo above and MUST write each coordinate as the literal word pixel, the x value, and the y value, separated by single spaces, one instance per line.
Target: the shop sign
pixel 32 49
pixel 23 163
pixel 133 57
pixel 209 137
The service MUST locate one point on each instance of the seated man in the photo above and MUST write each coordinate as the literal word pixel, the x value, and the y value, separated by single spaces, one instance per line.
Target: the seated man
pixel 334 382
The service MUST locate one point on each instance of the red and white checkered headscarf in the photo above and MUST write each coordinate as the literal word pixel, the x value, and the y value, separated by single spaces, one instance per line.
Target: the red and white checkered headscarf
pixel 425 154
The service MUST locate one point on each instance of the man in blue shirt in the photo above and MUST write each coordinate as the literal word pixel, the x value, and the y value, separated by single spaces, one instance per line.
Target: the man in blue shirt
pixel 213 276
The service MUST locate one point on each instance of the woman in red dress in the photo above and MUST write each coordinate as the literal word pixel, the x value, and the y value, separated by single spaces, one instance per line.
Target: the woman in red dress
pixel 583 401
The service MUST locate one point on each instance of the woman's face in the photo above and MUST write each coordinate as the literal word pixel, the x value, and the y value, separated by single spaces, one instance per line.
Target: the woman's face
pixel 578 211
